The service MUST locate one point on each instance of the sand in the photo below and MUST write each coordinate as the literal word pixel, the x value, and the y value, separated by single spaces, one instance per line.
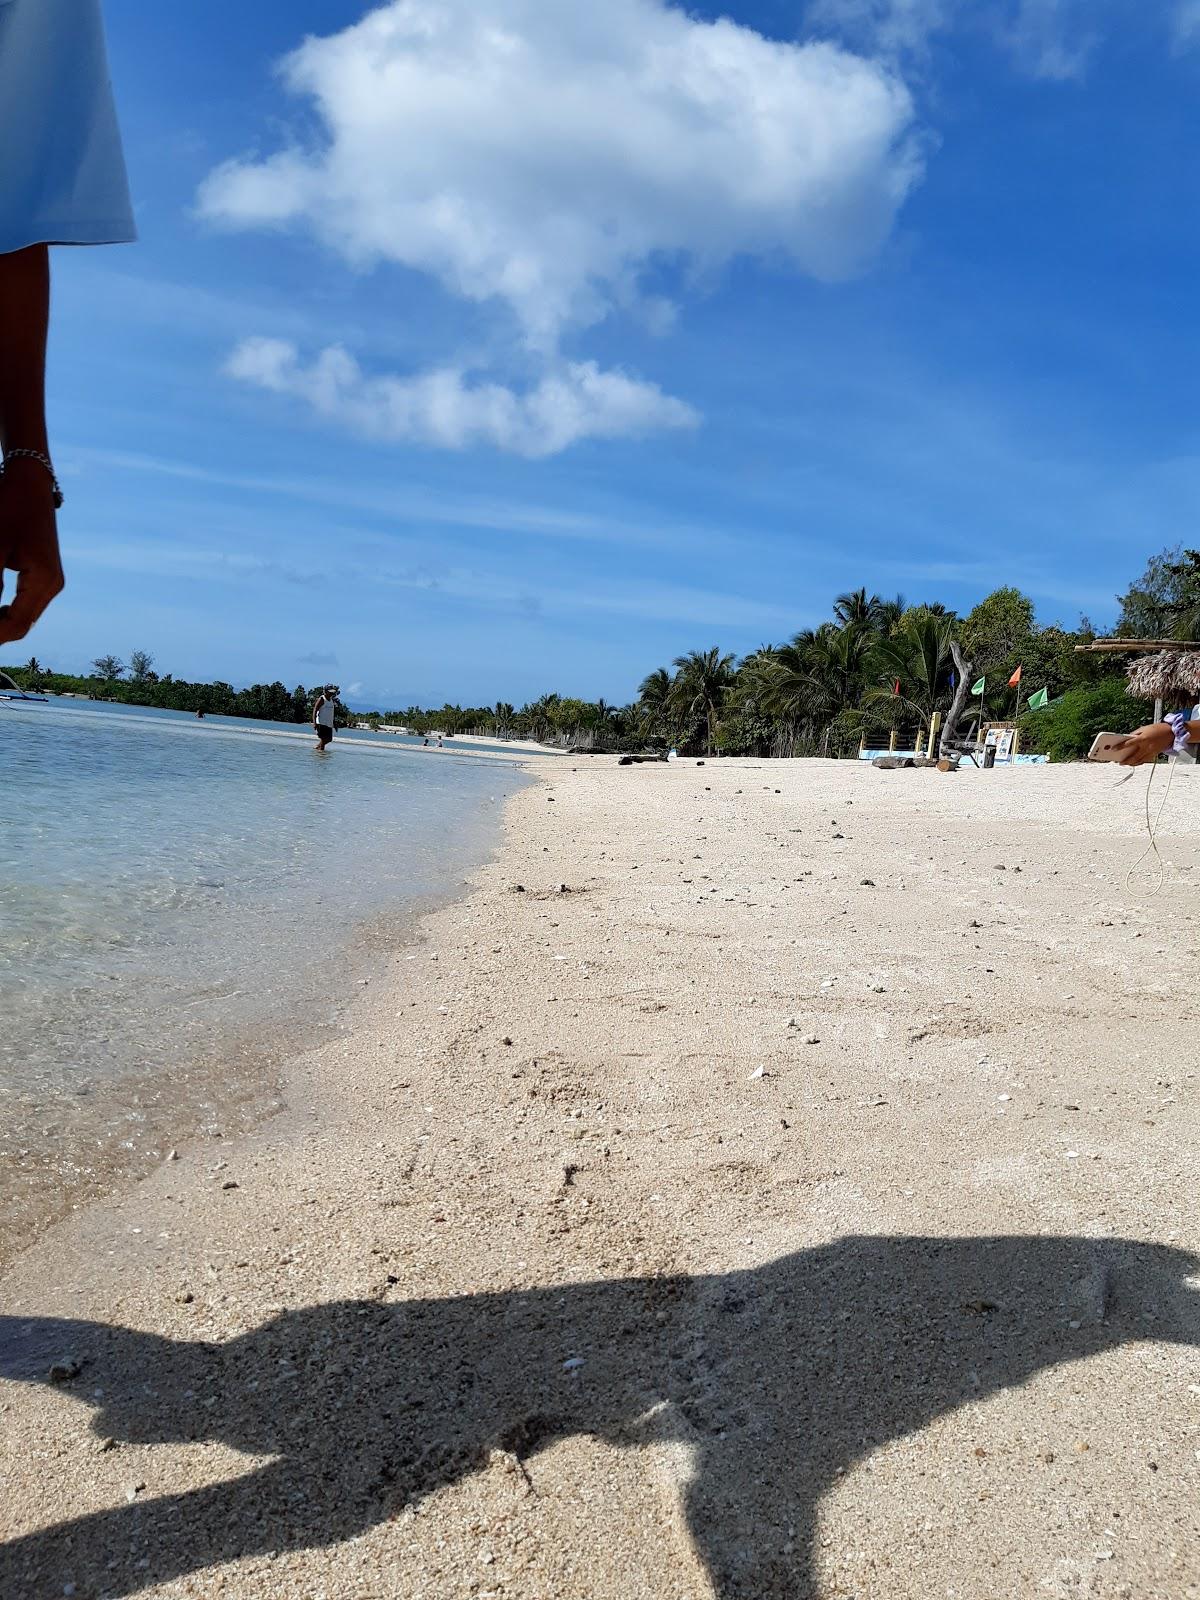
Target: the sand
pixel 531 747
pixel 800 1205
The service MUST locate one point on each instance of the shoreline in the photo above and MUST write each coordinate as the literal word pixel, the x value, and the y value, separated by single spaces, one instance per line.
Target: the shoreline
pixel 634 1134
pixel 216 725
pixel 104 1134
pixel 519 747
pixel 224 1093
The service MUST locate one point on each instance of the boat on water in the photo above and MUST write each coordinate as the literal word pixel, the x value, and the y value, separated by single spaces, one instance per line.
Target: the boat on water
pixel 9 692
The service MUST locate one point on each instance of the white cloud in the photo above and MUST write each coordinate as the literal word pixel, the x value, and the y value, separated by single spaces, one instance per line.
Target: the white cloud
pixel 1185 25
pixel 573 401
pixel 488 589
pixel 545 153
pixel 1047 39
pixel 552 157
pixel 888 28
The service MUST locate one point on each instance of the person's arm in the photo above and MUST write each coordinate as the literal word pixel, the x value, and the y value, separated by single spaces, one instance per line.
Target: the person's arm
pixel 28 531
pixel 1150 742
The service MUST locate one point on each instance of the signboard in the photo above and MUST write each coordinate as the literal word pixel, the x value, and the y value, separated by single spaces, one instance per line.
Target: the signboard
pixel 1001 739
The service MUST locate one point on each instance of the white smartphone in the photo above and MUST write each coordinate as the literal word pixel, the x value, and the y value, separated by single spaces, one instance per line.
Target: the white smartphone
pixel 1107 747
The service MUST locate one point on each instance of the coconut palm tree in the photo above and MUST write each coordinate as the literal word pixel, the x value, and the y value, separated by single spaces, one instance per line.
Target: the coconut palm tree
pixel 539 716
pixel 857 609
pixel 890 612
pixel 917 657
pixel 812 684
pixel 654 701
pixel 700 686
pixel 655 688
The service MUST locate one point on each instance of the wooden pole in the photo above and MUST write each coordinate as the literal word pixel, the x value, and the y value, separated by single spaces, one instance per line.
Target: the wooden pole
pixel 892 741
pixel 1135 646
pixel 1158 709
pixel 935 723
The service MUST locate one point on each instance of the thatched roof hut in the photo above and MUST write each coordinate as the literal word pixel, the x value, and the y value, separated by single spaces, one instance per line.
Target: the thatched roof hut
pixel 1171 675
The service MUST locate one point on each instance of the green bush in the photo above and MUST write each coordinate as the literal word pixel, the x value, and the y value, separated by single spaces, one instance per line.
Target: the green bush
pixel 1065 731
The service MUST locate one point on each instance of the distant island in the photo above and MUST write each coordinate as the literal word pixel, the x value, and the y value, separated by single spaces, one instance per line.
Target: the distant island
pixel 138 684
pixel 876 667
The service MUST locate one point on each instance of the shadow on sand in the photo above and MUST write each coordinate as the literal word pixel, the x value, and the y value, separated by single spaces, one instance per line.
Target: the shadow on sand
pixel 779 1378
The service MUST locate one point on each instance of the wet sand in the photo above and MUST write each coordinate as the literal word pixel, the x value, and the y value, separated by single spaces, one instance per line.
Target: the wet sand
pixel 800 1204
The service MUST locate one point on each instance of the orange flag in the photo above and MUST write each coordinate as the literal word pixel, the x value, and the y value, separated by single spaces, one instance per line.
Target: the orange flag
pixel 1016 678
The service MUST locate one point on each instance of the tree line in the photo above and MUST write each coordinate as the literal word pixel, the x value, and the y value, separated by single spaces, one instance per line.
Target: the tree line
pixel 877 665
pixel 138 684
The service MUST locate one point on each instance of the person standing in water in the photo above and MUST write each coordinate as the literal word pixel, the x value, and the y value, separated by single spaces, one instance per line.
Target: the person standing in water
pixel 323 712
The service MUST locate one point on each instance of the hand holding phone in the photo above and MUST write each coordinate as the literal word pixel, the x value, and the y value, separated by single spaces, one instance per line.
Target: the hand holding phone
pixel 1134 749
pixel 1107 747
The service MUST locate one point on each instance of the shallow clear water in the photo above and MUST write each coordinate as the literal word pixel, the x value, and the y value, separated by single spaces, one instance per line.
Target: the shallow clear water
pixel 170 888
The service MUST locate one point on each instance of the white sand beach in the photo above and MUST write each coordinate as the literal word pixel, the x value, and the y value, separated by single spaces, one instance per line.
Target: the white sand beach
pixel 769 1180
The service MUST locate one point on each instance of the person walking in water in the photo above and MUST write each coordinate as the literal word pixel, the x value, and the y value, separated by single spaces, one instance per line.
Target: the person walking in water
pixel 323 713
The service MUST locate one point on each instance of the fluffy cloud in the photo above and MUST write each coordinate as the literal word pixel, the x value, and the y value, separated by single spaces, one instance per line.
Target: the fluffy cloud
pixel 572 402
pixel 545 153
pixel 1185 25
pixel 888 28
pixel 1049 39
pixel 550 156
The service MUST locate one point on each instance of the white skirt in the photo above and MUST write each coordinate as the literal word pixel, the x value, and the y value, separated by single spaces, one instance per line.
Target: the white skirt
pixel 62 171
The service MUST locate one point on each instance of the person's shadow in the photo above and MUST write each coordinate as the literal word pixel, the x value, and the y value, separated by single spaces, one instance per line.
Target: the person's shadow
pixel 780 1378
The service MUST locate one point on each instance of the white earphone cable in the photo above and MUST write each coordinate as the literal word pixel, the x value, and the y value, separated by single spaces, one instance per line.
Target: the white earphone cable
pixel 1152 830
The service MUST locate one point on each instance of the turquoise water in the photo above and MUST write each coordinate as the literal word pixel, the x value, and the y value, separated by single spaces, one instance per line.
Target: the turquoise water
pixel 174 894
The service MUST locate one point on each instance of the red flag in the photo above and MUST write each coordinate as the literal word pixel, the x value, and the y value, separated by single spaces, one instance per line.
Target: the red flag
pixel 1016 678
pixel 896 688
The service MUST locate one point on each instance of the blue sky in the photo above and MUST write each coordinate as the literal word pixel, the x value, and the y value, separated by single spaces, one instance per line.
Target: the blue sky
pixel 646 334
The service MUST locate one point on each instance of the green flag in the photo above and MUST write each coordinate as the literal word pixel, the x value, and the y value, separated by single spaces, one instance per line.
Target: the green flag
pixel 1039 701
pixel 978 688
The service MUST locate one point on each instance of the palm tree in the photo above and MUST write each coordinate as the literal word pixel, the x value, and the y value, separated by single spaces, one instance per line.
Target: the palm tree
pixel 816 681
pixel 700 685
pixel 890 613
pixel 857 609
pixel 654 702
pixel 917 656
pixel 502 716
pixel 542 716
pixel 655 688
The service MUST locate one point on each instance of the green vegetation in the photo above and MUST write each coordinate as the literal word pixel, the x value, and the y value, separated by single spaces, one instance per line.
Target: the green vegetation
pixel 139 685
pixel 1065 730
pixel 1165 601
pixel 877 666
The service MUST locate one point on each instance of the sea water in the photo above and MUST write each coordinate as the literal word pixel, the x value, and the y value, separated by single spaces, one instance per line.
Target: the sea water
pixel 181 902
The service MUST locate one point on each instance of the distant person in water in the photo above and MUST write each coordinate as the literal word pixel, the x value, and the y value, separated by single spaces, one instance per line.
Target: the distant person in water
pixel 323 719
